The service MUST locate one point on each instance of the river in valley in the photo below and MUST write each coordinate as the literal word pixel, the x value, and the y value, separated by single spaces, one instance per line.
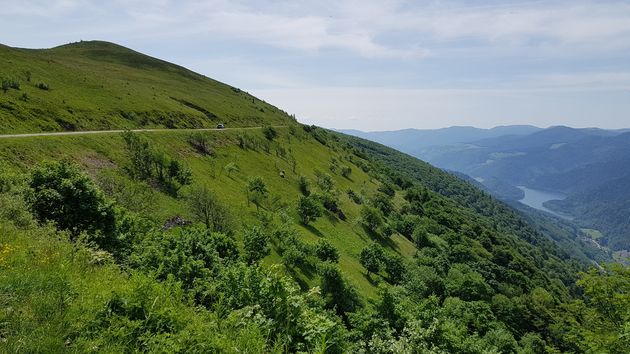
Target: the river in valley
pixel 535 198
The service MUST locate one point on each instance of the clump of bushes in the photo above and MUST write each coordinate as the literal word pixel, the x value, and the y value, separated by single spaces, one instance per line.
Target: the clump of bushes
pixel 151 165
pixel 42 86
pixel 8 83
pixel 269 132
pixel 200 142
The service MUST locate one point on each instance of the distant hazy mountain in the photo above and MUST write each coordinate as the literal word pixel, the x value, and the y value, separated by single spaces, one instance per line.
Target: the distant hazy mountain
pixel 413 141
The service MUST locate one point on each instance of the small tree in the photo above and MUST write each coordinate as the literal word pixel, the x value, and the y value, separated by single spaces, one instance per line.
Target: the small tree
pixel 371 218
pixel 371 258
pixel 206 207
pixel 395 268
pixel 256 190
pixel 308 209
pixel 326 252
pixel 256 245
pixel 269 132
pixel 293 256
pixel 421 236
pixel 62 194
pixel 325 181
pixel 337 292
pixel 230 168
pixel 305 185
pixel 140 154
pixel 387 188
pixel 346 171
pixel 42 86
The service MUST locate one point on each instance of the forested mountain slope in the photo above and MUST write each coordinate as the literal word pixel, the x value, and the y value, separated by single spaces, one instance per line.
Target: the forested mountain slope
pixel 278 239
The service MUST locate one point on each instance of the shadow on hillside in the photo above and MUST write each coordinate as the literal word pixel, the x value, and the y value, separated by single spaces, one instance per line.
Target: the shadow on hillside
pixel 372 278
pixel 381 240
pixel 332 218
pixel 314 230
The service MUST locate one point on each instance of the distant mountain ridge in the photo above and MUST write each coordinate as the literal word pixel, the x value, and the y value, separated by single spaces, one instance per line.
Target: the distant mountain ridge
pixel 413 140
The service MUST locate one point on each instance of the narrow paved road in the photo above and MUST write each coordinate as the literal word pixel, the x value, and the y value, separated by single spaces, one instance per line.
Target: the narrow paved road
pixel 26 135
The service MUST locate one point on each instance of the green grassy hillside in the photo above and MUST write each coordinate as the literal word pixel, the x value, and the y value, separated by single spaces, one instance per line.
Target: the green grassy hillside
pixel 98 85
pixel 285 239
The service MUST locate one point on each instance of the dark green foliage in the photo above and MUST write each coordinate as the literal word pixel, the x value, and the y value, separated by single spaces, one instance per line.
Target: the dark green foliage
pixel 256 245
pixel 356 198
pixel 205 205
pixel 345 171
pixel 337 293
pixel 383 203
pixel 387 188
pixel 395 268
pixel 62 194
pixel 465 283
pixel 325 181
pixel 371 258
pixel 256 191
pixel 190 255
pixel 150 165
pixel 417 194
pixel 329 200
pixel 269 132
pixel 326 252
pixel 308 209
pixel 421 236
pixel 42 86
pixel 7 84
pixel 305 186
pixel 371 218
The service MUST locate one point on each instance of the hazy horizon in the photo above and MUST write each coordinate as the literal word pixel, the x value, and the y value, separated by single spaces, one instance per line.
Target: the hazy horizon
pixel 476 127
pixel 375 65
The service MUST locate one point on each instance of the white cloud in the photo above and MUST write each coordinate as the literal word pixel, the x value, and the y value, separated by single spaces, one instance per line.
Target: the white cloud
pixel 356 26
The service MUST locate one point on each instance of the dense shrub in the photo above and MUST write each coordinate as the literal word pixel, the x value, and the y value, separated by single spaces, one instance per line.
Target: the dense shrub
pixel 62 194
pixel 207 208
pixel 42 86
pixel 305 186
pixel 256 245
pixel 151 165
pixel 326 252
pixel 308 209
pixel 269 132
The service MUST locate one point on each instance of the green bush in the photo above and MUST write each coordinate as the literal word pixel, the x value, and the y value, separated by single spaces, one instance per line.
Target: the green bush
pixel 62 194
pixel 150 165
pixel 207 208
pixel 305 186
pixel 371 218
pixel 42 86
pixel 371 258
pixel 308 209
pixel 256 245
pixel 7 84
pixel 269 132
pixel 326 252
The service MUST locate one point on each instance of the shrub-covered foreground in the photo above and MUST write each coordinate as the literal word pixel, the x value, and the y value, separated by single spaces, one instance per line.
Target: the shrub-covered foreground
pixel 108 281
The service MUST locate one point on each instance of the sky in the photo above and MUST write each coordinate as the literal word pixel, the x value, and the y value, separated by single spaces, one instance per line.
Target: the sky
pixel 374 65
